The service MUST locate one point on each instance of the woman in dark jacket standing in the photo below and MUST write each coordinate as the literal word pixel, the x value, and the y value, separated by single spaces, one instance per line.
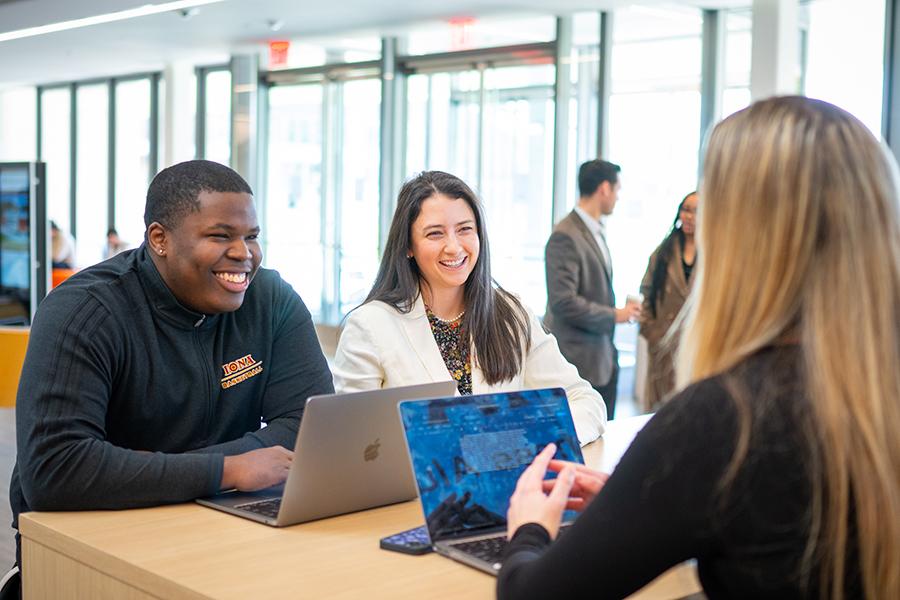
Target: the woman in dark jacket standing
pixel 665 288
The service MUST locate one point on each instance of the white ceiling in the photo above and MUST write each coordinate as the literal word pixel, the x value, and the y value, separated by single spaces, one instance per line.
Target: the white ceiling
pixel 217 30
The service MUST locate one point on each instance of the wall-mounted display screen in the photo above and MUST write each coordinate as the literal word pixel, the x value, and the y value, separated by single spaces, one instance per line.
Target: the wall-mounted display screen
pixel 23 234
pixel 14 228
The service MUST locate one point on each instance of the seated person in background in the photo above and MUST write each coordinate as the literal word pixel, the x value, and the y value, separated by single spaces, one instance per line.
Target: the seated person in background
pixel 778 466
pixel 62 248
pixel 435 313
pixel 665 288
pixel 147 376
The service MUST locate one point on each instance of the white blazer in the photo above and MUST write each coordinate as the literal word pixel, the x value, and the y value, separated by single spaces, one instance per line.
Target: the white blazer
pixel 381 347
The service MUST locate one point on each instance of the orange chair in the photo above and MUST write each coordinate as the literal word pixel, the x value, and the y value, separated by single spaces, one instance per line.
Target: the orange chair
pixel 60 275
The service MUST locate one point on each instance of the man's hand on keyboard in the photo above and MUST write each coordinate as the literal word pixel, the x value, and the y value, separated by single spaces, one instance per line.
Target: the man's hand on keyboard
pixel 257 469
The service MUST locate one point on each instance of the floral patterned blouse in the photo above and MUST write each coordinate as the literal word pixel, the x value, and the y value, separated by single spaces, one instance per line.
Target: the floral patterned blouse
pixel 453 350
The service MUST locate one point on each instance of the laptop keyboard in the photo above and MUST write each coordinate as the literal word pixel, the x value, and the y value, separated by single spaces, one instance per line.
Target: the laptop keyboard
pixel 491 549
pixel 266 508
pixel 488 549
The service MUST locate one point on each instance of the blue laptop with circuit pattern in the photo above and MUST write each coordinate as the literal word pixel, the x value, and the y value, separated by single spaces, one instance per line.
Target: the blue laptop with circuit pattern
pixel 467 454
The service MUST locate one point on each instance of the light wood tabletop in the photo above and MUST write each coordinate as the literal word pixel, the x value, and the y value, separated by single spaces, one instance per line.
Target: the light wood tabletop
pixel 189 551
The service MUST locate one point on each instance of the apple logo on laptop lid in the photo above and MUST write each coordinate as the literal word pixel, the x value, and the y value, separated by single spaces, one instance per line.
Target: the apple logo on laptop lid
pixel 371 452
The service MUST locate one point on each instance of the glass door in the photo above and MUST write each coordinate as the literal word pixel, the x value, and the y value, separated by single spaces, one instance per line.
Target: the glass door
pixel 517 176
pixel 292 227
pixel 92 181
pixel 443 126
pixel 132 156
pixel 321 226
pixel 359 168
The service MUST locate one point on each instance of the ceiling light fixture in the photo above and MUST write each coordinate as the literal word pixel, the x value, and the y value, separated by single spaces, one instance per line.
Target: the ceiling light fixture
pixel 141 11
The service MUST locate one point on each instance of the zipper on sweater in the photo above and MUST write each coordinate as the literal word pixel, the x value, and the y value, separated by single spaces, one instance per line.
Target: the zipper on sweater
pixel 210 376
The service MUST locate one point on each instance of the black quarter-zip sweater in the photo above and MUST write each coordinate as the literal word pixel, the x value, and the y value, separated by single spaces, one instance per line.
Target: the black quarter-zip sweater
pixel 129 399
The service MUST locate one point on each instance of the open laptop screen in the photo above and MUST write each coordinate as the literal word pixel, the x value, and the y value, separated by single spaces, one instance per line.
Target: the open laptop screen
pixel 468 452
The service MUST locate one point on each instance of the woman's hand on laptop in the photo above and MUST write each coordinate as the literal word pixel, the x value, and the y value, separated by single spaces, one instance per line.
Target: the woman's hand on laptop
pixel 530 504
pixel 588 483
pixel 257 469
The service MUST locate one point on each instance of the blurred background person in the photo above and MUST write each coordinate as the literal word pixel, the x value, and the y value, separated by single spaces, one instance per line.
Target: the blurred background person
pixel 62 248
pixel 665 287
pixel 114 244
pixel 581 303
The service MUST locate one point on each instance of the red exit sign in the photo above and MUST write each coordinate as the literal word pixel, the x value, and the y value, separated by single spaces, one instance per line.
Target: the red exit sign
pixel 278 53
pixel 461 30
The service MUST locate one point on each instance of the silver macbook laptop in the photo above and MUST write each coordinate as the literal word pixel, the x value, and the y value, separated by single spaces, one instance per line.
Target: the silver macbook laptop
pixel 467 454
pixel 349 456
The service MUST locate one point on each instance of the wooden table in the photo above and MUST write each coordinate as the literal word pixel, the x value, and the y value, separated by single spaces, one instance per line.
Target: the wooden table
pixel 188 551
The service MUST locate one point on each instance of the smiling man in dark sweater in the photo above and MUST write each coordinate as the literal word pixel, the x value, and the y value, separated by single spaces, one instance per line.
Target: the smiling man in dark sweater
pixel 147 376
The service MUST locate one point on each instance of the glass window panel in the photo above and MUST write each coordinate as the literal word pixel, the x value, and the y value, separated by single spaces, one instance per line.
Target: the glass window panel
pixel 656 88
pixel 583 110
pixel 656 49
pixel 132 157
pixel 161 121
pixel 55 151
pixel 858 57
pixel 738 52
pixel 18 124
pixel 465 33
pixel 293 221
pixel 586 30
pixel 92 153
pixel 359 191
pixel 735 99
pixel 447 104
pixel 738 47
pixel 218 117
pixel 177 93
pixel 656 64
pixel 418 113
pixel 517 176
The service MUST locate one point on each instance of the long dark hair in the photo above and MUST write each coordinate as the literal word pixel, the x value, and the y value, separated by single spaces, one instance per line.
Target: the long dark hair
pixel 495 321
pixel 663 256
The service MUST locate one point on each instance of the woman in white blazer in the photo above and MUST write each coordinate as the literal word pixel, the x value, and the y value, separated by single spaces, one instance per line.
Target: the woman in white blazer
pixel 435 314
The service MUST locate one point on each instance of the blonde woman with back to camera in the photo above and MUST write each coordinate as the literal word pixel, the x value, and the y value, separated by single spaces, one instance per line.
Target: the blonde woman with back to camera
pixel 777 466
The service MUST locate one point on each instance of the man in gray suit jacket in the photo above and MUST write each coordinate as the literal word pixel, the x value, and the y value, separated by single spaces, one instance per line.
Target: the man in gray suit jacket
pixel 581 304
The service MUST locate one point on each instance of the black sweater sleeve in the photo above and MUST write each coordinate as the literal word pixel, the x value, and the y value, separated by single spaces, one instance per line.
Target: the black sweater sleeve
pixel 652 514
pixel 65 461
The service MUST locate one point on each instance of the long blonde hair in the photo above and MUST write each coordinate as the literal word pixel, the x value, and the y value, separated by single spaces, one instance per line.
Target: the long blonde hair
pixel 799 240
